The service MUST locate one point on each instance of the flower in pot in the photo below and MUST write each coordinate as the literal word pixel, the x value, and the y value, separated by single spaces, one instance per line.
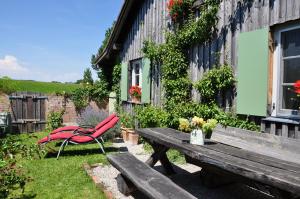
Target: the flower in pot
pixel 135 93
pixel 199 128
pixel 127 125
pixel 208 127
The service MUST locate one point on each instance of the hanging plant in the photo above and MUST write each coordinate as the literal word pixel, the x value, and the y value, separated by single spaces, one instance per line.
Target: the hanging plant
pixel 179 9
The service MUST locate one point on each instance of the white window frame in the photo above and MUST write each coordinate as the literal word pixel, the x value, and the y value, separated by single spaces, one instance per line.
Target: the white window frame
pixel 133 74
pixel 277 69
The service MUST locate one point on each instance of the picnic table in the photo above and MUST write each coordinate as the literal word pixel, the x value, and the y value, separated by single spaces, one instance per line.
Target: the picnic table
pixel 222 163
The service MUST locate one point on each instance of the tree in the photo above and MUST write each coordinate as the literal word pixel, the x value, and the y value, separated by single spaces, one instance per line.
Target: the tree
pixel 87 77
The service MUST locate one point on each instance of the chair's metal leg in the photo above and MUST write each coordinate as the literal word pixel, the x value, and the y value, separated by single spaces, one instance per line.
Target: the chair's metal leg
pixel 101 146
pixel 61 148
pixel 102 139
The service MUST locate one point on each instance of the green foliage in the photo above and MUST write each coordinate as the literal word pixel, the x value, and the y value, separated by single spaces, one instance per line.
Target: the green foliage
pixel 87 77
pixel 127 120
pixel 8 86
pixel 49 178
pixel 81 97
pixel 215 81
pixel 12 176
pixel 173 54
pixel 151 116
pixel 54 120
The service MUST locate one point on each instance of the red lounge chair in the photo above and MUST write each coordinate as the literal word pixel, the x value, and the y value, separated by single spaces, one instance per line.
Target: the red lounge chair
pixel 82 129
pixel 79 137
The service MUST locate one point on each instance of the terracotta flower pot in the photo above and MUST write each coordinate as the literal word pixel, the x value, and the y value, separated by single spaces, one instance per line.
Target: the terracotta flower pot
pixel 124 131
pixel 136 99
pixel 133 137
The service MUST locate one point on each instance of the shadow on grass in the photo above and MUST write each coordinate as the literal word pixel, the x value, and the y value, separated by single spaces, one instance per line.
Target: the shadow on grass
pixel 26 196
pixel 81 152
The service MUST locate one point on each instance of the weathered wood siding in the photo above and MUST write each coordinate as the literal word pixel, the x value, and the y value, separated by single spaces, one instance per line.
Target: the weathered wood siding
pixel 235 16
pixel 149 24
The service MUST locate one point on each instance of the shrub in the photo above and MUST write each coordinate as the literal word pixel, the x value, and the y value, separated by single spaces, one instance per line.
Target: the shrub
pixel 11 174
pixel 215 81
pixel 127 120
pixel 80 97
pixel 91 117
pixel 54 120
pixel 151 116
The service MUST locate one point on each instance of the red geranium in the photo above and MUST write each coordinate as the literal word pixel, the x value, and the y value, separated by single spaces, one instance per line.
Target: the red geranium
pixel 297 87
pixel 177 9
pixel 135 91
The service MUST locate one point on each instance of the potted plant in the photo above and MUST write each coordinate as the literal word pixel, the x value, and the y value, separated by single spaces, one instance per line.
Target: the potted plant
pixel 297 89
pixel 127 129
pixel 198 127
pixel 135 93
pixel 127 125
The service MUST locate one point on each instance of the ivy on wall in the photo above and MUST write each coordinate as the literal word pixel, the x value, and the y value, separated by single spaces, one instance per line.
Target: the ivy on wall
pixel 173 55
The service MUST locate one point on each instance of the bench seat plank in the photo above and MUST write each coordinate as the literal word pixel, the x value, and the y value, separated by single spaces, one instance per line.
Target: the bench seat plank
pixel 147 180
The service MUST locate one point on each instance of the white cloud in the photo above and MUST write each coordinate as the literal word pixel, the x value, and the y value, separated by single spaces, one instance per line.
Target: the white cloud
pixel 10 66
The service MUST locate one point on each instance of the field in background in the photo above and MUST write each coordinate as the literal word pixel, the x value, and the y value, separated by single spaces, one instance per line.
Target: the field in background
pixel 8 86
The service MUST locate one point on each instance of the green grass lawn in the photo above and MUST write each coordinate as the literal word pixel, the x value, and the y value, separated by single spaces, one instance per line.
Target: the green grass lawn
pixel 35 86
pixel 65 177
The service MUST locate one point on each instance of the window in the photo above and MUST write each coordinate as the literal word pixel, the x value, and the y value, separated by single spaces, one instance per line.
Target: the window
pixel 286 71
pixel 135 73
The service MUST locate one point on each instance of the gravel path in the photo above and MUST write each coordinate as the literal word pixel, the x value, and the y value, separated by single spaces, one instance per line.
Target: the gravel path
pixel 187 176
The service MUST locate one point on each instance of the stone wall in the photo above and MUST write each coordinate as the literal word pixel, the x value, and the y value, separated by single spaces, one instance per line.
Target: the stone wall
pixel 55 103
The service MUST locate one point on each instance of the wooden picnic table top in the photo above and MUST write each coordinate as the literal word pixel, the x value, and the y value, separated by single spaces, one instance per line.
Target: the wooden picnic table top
pixel 277 173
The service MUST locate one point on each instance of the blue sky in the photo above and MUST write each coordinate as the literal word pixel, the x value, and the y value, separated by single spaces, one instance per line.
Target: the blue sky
pixel 52 40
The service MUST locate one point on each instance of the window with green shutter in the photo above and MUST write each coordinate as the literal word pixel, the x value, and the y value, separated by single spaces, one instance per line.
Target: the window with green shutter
pixel 252 73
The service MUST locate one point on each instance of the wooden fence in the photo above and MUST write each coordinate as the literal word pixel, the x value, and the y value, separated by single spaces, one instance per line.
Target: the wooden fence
pixel 28 112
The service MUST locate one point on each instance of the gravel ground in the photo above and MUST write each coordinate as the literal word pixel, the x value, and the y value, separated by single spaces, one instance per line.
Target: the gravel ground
pixel 187 176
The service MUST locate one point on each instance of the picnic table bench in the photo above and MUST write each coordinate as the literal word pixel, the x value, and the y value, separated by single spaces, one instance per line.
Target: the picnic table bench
pixel 223 163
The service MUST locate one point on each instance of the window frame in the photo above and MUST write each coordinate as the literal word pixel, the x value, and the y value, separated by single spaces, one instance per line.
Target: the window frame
pixel 278 67
pixel 132 75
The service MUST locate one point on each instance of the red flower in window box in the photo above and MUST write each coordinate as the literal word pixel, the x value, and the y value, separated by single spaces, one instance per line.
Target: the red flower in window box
pixel 135 91
pixel 297 87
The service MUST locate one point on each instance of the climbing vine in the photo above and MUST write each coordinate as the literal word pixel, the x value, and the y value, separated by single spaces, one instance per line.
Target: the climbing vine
pixel 173 55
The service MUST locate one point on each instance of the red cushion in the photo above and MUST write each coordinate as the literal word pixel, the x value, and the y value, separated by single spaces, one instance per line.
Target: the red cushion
pixel 80 138
pixel 65 128
pixel 57 136
pixel 105 121
pixel 97 134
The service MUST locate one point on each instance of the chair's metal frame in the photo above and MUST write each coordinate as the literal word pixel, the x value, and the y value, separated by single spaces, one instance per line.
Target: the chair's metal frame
pixel 78 133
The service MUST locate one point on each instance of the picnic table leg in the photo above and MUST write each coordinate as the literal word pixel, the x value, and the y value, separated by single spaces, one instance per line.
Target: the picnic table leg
pixel 160 154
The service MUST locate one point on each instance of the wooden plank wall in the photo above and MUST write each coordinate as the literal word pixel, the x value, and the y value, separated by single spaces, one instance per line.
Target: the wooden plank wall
pixel 235 16
pixel 149 24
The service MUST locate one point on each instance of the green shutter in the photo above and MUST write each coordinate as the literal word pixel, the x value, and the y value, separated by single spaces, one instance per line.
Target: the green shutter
pixel 146 81
pixel 124 82
pixel 252 73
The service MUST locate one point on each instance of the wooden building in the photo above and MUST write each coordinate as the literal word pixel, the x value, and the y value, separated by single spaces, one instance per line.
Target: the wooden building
pixel 260 39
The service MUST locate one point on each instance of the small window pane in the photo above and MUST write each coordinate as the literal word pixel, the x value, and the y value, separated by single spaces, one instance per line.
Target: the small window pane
pixel 137 80
pixel 290 99
pixel 291 70
pixel 291 43
pixel 137 69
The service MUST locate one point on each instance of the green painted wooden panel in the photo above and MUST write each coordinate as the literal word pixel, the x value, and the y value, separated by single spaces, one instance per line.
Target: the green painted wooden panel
pixel 146 81
pixel 124 81
pixel 252 73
